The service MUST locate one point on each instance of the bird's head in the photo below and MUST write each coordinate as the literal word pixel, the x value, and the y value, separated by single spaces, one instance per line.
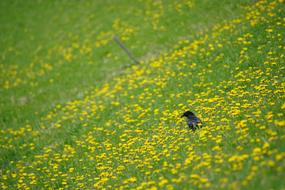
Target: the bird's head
pixel 187 114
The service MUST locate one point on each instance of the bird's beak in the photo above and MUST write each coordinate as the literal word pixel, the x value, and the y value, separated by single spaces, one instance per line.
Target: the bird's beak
pixel 181 116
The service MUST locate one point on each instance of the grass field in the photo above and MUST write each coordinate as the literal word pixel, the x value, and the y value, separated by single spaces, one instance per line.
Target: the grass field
pixel 76 113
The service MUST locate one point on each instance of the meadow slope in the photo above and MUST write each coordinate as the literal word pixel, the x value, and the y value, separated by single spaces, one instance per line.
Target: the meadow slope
pixel 125 131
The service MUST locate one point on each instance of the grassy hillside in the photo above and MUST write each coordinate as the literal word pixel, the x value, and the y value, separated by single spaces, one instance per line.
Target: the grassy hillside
pixel 75 113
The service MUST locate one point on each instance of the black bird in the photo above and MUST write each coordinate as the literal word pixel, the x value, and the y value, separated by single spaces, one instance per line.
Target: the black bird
pixel 192 120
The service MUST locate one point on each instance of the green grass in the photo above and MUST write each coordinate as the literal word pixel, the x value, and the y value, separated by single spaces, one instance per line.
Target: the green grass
pixel 77 114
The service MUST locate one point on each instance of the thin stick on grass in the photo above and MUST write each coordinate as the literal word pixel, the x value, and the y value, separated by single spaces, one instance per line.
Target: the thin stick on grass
pixel 130 55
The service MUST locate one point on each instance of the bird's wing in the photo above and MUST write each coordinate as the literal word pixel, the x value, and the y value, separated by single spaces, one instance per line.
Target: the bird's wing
pixel 199 120
pixel 195 119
